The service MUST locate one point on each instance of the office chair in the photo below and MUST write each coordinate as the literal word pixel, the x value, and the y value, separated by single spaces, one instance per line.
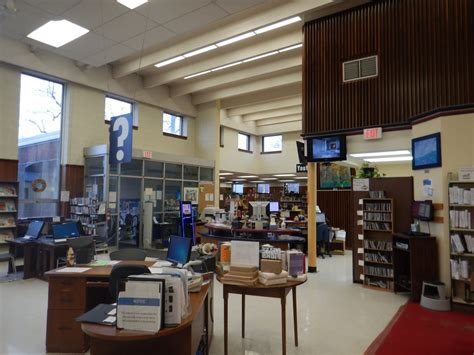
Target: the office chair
pixel 119 275
pixel 101 238
pixel 128 254
pixel 322 239
pixel 11 261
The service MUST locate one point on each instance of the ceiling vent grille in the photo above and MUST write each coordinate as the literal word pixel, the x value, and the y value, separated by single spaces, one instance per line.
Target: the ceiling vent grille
pixel 360 69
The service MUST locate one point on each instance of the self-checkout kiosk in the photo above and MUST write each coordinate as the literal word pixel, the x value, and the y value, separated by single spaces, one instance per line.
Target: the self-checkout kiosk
pixel 187 220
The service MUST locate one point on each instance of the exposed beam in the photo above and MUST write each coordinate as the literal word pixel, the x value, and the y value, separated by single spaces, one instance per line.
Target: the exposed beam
pixel 261 97
pixel 240 73
pixel 270 105
pixel 294 110
pixel 259 85
pixel 193 67
pixel 278 128
pixel 277 120
pixel 250 22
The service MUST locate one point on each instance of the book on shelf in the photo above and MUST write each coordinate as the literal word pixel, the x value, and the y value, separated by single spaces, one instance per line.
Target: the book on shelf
pixel 378 216
pixel 459 269
pixel 378 244
pixel 6 235
pixel 462 243
pixel 377 257
pixel 458 195
pixel 378 271
pixel 7 190
pixel 387 284
pixel 460 219
pixel 378 206
pixel 7 206
pixel 7 221
pixel 384 226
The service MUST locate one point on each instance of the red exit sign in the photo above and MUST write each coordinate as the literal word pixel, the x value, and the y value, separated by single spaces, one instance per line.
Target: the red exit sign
pixel 147 154
pixel 373 133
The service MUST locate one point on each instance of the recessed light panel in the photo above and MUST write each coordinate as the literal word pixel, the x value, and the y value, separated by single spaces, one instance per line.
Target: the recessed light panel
pixel 169 61
pixel 260 56
pixel 199 51
pixel 269 179
pixel 131 4
pixel 235 39
pixel 222 174
pixel 247 176
pixel 388 159
pixel 290 48
pixel 380 154
pixel 226 66
pixel 283 175
pixel 278 24
pixel 58 33
pixel 197 74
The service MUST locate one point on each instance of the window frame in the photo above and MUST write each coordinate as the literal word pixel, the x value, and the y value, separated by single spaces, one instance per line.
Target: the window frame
pixel 248 150
pixel 272 151
pixel 184 128
pixel 123 99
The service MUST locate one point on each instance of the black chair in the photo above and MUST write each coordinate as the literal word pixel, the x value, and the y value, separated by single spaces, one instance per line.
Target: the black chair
pixel 119 275
pixel 84 251
pixel 322 239
pixel 11 261
pixel 128 254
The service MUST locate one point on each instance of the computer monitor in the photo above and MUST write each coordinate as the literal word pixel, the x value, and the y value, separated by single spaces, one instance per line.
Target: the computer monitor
pixel 179 250
pixel 83 249
pixel 34 230
pixel 274 206
pixel 320 218
pixel 80 228
pixel 238 189
pixel 259 209
pixel 422 210
pixel 65 230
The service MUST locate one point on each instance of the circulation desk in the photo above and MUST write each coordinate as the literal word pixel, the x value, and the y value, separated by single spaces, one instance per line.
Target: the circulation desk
pixel 72 294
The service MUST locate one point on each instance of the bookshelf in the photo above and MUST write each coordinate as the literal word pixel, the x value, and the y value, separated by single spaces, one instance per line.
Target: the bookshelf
pixel 8 210
pixel 377 229
pixel 461 236
pixel 89 211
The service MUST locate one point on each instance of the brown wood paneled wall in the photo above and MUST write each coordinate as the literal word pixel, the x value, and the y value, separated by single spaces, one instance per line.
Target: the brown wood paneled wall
pixel 8 170
pixel 426 62
pixel 72 180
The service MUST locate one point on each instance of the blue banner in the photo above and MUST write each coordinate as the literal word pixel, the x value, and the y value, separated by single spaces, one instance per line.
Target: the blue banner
pixel 121 132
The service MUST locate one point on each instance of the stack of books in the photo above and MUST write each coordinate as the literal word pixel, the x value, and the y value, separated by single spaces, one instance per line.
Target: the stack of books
pixel 241 275
pixel 269 278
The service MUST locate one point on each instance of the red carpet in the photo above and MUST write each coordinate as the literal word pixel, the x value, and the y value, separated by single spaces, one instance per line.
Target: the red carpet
pixel 416 330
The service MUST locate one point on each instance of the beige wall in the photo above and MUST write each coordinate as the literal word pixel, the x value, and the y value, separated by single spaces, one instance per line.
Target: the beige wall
pixel 395 170
pixel 234 160
pixel 283 162
pixel 9 112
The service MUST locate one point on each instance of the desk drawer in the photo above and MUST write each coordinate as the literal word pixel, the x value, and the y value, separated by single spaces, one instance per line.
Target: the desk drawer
pixel 67 293
pixel 63 333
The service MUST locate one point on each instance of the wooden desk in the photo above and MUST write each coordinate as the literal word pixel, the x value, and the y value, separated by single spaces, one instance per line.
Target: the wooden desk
pixel 274 291
pixel 72 294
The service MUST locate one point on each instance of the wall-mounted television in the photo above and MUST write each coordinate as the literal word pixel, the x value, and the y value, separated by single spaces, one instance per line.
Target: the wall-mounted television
pixel 426 151
pixel 422 210
pixel 292 187
pixel 238 188
pixel 263 188
pixel 328 148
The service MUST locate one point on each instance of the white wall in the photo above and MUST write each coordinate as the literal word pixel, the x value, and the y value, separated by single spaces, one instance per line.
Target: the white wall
pixel 9 112
pixel 234 160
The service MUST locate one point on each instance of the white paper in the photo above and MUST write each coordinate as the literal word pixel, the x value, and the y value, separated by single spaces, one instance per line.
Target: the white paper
pixel 361 262
pixel 359 212
pixel 113 205
pixel 359 222
pixel 95 189
pixel 149 258
pixel 360 185
pixel 162 263
pixel 244 253
pixel 159 194
pixel 109 319
pixel 360 250
pixel 221 197
pixel 362 277
pixel 112 196
pixel 113 312
pixel 64 196
pixel 211 197
pixel 113 262
pixel 361 201
pixel 56 219
pixel 148 191
pixel 207 197
pixel 156 270
pixel 73 269
pixel 360 236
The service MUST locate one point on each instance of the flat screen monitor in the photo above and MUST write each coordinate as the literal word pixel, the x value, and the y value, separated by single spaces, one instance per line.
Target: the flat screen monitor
pixel 320 218
pixel 179 250
pixel 426 151
pixel 186 208
pixel 80 228
pixel 422 210
pixel 259 209
pixel 65 230
pixel 263 188
pixel 301 153
pixel 274 206
pixel 293 187
pixel 34 230
pixel 329 148
pixel 238 188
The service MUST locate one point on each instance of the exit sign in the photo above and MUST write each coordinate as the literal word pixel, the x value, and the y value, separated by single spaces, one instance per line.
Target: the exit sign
pixel 147 154
pixel 373 133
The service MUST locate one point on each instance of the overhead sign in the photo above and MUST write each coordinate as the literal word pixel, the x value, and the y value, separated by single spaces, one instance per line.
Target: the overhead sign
pixel 301 168
pixel 373 133
pixel 121 131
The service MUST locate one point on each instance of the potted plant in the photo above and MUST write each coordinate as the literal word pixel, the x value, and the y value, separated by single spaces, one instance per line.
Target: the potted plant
pixel 367 171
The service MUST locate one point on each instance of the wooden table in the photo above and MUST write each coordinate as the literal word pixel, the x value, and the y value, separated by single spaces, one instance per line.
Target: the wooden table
pixel 274 291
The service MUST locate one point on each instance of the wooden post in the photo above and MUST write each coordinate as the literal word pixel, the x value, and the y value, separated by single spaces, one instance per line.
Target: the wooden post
pixel 312 180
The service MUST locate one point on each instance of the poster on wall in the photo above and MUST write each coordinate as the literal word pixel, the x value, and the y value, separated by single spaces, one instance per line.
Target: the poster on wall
pixel 191 194
pixel 121 132
pixel 360 185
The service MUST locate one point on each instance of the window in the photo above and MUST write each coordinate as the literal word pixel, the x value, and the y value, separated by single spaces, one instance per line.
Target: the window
pixel 243 142
pixel 271 144
pixel 221 136
pixel 115 107
pixel 174 125
pixel 39 146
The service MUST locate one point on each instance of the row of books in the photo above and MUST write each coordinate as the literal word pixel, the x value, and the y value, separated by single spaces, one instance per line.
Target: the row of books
pixel 377 244
pixel 460 219
pixel 6 235
pixel 378 216
pixel 377 226
pixel 7 206
pixel 378 206
pixel 7 221
pixel 83 210
pixel 458 195
pixel 378 271
pixel 86 201
pixel 377 257
pixel 462 243
pixel 387 284
pixel 460 269
pixel 7 190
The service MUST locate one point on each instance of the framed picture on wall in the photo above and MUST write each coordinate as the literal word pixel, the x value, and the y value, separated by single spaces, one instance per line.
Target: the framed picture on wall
pixel 426 151
pixel 191 194
pixel 334 176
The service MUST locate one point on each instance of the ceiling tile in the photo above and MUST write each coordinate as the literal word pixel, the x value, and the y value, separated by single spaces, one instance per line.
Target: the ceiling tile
pixel 108 55
pixel 54 7
pixel 233 6
pixel 162 11
pixel 24 21
pixel 152 37
pixel 85 46
pixel 196 19
pixel 93 13
pixel 125 27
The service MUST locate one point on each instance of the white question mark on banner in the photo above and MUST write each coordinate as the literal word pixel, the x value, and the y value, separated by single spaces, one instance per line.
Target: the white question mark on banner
pixel 121 122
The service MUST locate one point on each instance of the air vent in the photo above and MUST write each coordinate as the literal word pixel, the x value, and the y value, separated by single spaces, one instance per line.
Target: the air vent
pixel 360 69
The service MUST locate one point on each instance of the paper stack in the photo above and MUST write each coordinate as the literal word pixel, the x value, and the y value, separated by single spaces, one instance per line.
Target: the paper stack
pixel 241 275
pixel 269 278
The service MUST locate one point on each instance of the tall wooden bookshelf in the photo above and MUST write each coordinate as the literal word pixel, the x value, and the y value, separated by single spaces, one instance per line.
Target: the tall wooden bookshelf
pixel 8 210
pixel 377 227
pixel 461 236
pixel 89 212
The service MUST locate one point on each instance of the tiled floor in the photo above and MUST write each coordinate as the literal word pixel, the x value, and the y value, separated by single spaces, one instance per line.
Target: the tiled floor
pixel 335 316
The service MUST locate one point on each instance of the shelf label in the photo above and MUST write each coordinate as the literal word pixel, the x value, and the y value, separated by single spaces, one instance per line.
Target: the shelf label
pixel 359 222
pixel 360 236
pixel 361 277
pixel 361 262
pixel 359 212
pixel 360 250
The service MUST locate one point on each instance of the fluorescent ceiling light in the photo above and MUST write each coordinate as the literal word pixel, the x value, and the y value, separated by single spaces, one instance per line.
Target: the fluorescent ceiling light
pixel 287 180
pixel 256 181
pixel 291 47
pixel 380 154
pixel 238 180
pixel 222 174
pixel 226 66
pixel 199 51
pixel 235 39
pixel 169 61
pixel 58 33
pixel 260 56
pixel 247 176
pixel 278 24
pixel 197 74
pixel 222 177
pixel 131 4
pixel 301 178
pixel 389 159
pixel 283 175
pixel 269 179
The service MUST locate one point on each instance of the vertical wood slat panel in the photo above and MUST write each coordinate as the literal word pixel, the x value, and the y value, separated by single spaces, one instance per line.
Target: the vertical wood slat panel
pixel 426 61
pixel 8 170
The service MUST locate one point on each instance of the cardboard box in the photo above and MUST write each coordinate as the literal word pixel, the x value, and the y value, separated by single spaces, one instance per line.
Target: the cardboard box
pixel 268 265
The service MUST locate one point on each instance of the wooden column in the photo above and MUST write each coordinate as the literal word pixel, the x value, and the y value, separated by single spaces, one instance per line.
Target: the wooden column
pixel 311 196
